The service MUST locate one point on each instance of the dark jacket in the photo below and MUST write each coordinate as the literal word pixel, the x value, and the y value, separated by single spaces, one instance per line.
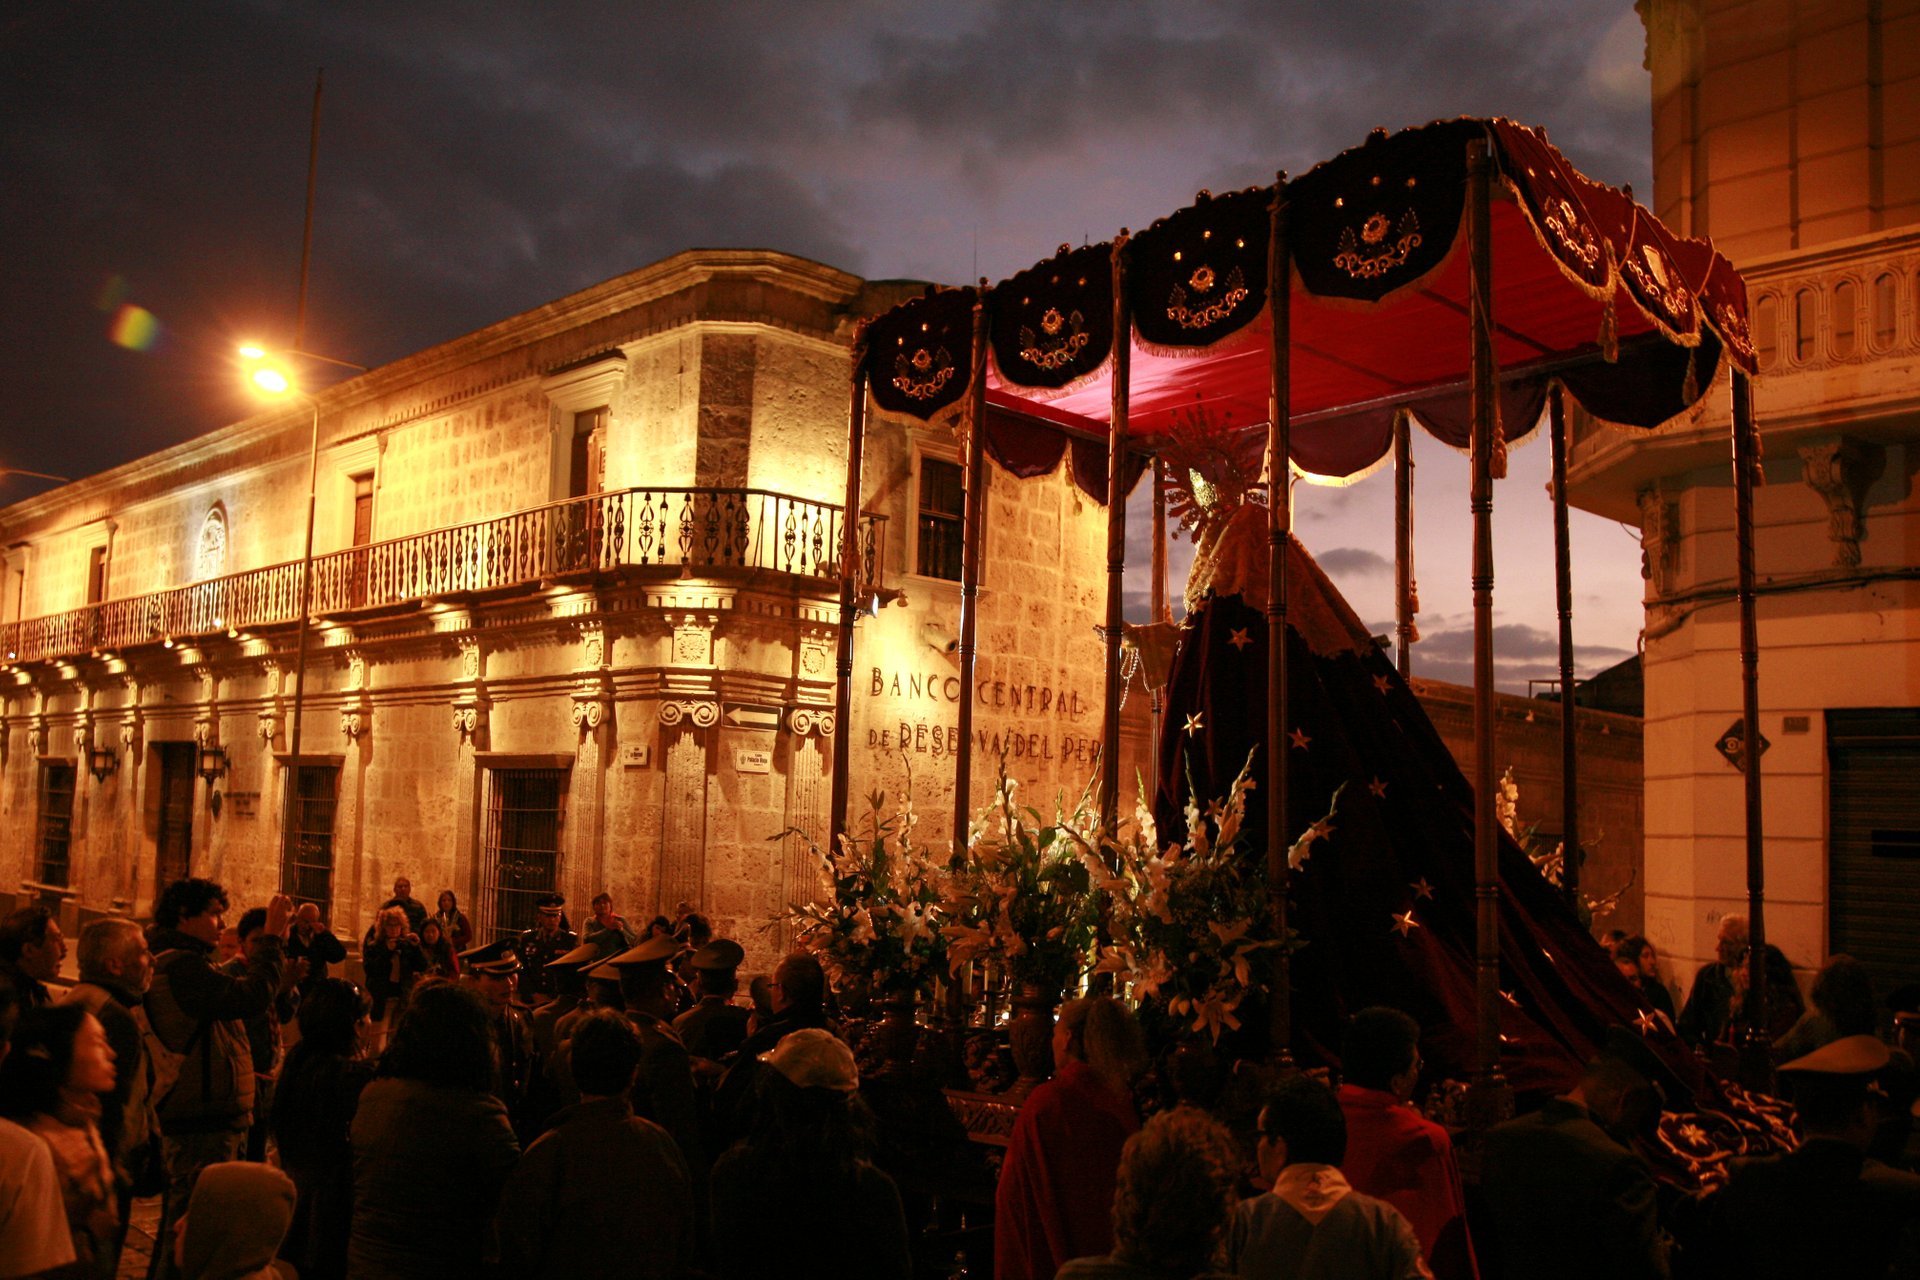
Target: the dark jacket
pixel 32 992
pixel 391 972
pixel 602 1193
pixel 321 950
pixel 127 1120
pixel 663 1092
pixel 764 1215
pixel 200 1012
pixel 712 1029
pixel 1565 1200
pixel 1824 1210
pixel 313 1110
pixel 428 1166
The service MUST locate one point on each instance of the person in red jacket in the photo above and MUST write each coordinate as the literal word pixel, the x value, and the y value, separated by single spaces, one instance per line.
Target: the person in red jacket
pixel 1055 1198
pixel 1393 1152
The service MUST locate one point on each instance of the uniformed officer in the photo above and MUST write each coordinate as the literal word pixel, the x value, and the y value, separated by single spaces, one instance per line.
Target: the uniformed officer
pixel 547 941
pixel 1827 1208
pixel 715 1026
pixel 567 976
pixel 493 969
pixel 663 1091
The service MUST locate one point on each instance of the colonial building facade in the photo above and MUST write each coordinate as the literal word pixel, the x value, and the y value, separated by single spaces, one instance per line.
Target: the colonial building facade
pixel 575 601
pixel 1790 133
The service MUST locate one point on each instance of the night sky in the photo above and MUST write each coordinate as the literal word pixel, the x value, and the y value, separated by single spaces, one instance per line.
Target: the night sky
pixel 478 160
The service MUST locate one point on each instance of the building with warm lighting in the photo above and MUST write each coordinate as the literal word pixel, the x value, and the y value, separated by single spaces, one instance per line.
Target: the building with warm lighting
pixel 576 600
pixel 1790 133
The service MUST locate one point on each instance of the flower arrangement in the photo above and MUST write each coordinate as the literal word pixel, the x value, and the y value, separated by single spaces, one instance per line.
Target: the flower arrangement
pixel 1191 921
pixel 1024 900
pixel 880 924
pixel 1551 863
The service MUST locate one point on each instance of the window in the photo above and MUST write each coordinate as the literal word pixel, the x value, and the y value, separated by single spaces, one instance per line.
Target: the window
pixel 210 551
pixel 306 864
pixel 1805 330
pixel 586 467
pixel 56 822
pixel 1766 330
pixel 1885 301
pixel 96 575
pixel 1845 297
pixel 942 519
pixel 362 535
pixel 521 859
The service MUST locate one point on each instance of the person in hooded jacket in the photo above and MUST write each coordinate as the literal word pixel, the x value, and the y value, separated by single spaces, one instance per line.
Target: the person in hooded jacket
pixel 234 1224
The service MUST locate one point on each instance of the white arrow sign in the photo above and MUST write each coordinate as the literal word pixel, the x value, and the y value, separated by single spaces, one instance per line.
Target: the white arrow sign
pixel 743 715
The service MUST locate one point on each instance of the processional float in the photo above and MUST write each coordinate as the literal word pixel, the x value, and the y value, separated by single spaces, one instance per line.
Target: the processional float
pixel 1462 275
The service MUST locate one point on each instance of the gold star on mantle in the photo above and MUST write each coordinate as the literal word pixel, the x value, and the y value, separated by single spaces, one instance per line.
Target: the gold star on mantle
pixel 1193 724
pixel 1421 889
pixel 1647 1023
pixel 1300 739
pixel 1379 788
pixel 1239 639
pixel 1510 998
pixel 1384 684
pixel 1404 923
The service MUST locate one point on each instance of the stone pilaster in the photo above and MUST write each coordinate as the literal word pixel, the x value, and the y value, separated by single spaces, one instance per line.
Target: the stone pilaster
pixel 587 792
pixel 686 739
pixel 809 740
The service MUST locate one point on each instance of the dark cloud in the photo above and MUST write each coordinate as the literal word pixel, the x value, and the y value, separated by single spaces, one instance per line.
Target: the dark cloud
pixel 1357 561
pixel 1515 646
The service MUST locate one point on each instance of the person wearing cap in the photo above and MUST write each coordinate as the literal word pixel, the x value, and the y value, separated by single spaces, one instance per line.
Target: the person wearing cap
pixel 548 940
pixel 804 1174
pixel 493 970
pixel 569 983
pixel 715 1026
pixel 602 1192
pixel 1564 1198
pixel 1825 1209
pixel 664 1091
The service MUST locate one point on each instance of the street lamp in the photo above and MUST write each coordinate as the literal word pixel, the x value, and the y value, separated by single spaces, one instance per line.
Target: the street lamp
pixel 269 375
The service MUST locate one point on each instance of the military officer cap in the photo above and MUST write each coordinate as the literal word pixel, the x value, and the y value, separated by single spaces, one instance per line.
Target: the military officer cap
pixel 495 958
pixel 721 955
pixel 1861 1056
pixel 549 904
pixel 655 950
pixel 578 958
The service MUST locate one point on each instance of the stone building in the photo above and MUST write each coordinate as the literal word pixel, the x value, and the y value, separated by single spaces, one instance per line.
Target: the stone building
pixel 575 593
pixel 1789 131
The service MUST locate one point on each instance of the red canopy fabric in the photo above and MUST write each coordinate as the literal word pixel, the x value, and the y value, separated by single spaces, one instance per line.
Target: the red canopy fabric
pixel 1588 288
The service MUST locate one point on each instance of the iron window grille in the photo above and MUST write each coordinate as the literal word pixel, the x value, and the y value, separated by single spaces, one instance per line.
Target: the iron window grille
pixel 306 871
pixel 526 809
pixel 56 823
pixel 942 518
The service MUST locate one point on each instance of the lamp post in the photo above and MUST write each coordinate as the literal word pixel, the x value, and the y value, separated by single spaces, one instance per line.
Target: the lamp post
pixel 271 377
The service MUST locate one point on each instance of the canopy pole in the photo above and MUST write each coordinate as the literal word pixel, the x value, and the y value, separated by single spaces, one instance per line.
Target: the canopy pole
pixel 1571 852
pixel 1488 1100
pixel 972 532
pixel 1279 531
pixel 849 583
pixel 1756 1063
pixel 1162 612
pixel 1116 543
pixel 1403 588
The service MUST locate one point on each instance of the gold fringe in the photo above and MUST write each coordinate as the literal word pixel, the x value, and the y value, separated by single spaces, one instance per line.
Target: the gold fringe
pixel 1690 388
pixel 1609 333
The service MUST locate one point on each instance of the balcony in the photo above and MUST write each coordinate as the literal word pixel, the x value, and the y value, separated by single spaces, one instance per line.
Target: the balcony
pixel 679 532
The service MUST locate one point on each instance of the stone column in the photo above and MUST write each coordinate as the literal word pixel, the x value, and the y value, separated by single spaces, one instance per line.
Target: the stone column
pixel 472 710
pixel 686 738
pixel 585 869
pixel 810 733
pixel 134 779
pixel 352 888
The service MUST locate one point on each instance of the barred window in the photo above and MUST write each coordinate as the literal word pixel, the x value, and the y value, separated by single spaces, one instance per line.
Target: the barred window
pixel 942 519
pixel 521 859
pixel 56 822
pixel 306 867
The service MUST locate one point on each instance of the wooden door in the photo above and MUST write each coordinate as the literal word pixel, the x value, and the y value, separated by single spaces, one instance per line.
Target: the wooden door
pixel 174 837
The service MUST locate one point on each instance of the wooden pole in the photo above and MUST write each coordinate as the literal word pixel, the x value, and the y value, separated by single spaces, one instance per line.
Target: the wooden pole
pixel 1403 539
pixel 1488 1101
pixel 1571 853
pixel 849 610
pixel 1162 610
pixel 1279 530
pixel 1756 1067
pixel 1116 542
pixel 971 533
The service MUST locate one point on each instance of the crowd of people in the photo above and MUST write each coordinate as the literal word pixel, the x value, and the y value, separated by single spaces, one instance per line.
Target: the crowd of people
pixel 555 1103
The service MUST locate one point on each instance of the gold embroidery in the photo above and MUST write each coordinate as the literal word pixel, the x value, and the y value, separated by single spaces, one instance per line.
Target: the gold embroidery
pixel 924 374
pixel 1202 279
pixel 1056 349
pixel 1564 222
pixel 1363 266
pixel 1189 317
pixel 1665 293
pixel 1733 327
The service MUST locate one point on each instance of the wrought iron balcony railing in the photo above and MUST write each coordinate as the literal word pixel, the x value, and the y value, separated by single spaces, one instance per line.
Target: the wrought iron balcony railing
pixel 706 531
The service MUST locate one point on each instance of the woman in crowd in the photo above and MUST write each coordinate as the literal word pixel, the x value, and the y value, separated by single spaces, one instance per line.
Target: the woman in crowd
pixel 803 1174
pixel 51 1083
pixel 394 961
pixel 442 960
pixel 234 1223
pixel 1173 1200
pixel 453 922
pixel 312 1117
pixel 1055 1197
pixel 432 1146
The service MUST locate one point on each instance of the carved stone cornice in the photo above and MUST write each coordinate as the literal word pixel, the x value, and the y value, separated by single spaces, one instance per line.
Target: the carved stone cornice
pixel 1659 539
pixel 698 713
pixel 1841 471
pixel 811 720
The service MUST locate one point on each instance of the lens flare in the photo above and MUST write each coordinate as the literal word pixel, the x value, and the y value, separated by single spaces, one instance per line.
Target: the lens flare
pixel 134 327
pixel 271 380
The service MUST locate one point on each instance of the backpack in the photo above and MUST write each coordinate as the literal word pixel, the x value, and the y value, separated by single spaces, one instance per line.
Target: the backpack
pixel 164 1062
